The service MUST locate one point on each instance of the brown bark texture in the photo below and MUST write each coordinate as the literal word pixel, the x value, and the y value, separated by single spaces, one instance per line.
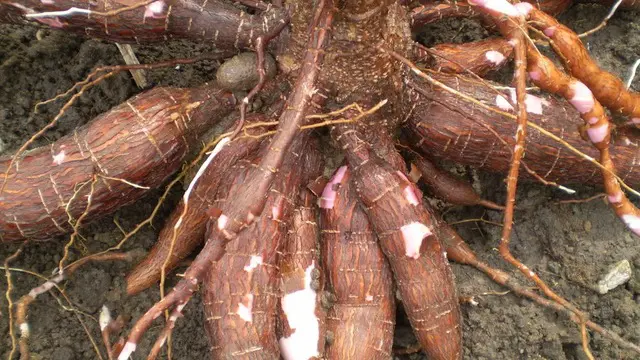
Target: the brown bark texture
pixel 475 136
pixel 479 57
pixel 404 229
pixel 241 289
pixel 190 232
pixel 303 305
pixel 362 319
pixel 215 22
pixel 433 11
pixel 142 141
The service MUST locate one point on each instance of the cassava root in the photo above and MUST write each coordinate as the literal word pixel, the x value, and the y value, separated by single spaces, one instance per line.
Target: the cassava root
pixel 129 150
pixel 476 136
pixel 272 285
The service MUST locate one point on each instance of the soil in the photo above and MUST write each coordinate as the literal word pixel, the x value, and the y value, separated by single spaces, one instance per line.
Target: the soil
pixel 571 246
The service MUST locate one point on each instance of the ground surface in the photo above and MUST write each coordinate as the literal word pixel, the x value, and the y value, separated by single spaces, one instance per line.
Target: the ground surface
pixel 570 245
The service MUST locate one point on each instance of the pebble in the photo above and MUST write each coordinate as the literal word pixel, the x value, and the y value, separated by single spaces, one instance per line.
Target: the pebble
pixel 239 73
pixel 618 274
pixel 587 226
pixel 554 267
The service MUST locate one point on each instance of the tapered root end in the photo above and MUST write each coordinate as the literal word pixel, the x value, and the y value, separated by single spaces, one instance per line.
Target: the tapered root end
pixel 148 271
pixel 490 205
pixel 142 277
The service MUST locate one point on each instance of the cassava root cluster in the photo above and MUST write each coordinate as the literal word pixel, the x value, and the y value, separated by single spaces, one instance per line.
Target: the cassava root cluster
pixel 294 263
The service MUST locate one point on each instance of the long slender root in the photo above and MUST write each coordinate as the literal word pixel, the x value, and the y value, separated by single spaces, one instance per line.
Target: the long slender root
pixel 460 252
pixel 606 87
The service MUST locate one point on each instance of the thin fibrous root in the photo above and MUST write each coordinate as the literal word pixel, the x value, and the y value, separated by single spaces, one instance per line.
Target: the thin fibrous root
pixel 10 304
pixel 111 70
pixel 76 223
pixel 22 305
pixel 260 45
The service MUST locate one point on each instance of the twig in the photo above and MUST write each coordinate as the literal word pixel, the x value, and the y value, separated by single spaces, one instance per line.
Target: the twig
pixel 130 58
pixel 632 73
pixel 603 23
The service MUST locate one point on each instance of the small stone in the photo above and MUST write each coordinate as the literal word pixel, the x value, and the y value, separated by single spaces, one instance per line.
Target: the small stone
pixel 3 146
pixel 554 267
pixel 329 337
pixel 327 299
pixel 240 72
pixel 619 274
pixel 587 226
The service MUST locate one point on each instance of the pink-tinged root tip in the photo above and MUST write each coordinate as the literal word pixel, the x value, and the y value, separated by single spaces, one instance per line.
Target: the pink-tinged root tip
pixel 615 198
pixel 582 98
pixel 535 75
pixel 549 31
pixel 597 134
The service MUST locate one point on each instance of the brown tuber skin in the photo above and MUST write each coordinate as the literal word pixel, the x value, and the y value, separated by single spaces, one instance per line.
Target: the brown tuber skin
pixel 240 290
pixel 404 229
pixel 300 263
pixel 260 268
pixel 465 137
pixel 142 141
pixel 362 318
pixel 156 22
pixel 190 233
